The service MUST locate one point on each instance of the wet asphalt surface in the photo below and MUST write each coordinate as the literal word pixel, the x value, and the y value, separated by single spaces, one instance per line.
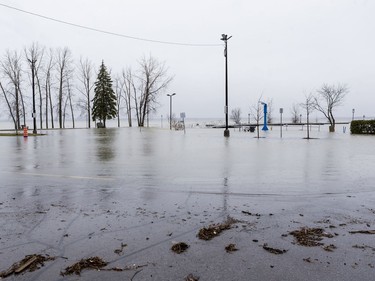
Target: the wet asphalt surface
pixel 76 194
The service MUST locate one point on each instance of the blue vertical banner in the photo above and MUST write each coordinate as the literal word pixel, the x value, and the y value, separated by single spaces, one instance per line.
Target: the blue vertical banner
pixel 265 128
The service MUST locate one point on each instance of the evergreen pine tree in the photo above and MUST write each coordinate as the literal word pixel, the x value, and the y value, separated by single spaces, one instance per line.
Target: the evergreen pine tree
pixel 104 102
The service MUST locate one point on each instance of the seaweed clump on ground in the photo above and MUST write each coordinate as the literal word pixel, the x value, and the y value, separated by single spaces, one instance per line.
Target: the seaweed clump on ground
pixel 310 237
pixel 180 247
pixel 90 263
pixel 30 263
pixel 207 233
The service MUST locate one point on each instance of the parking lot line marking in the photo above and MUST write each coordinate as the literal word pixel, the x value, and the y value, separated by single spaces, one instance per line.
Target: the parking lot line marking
pixel 64 176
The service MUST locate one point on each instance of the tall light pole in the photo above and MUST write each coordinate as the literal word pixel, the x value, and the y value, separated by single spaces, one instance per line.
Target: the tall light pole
pixel 225 38
pixel 33 61
pixel 170 109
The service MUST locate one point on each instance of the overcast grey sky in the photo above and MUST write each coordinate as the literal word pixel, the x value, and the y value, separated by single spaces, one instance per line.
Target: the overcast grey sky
pixel 281 48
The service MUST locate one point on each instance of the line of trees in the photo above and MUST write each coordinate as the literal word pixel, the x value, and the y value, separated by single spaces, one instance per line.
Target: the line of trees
pixel 64 87
pixel 325 100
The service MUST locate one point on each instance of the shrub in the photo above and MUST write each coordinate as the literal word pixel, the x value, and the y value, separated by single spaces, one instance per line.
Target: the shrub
pixel 362 127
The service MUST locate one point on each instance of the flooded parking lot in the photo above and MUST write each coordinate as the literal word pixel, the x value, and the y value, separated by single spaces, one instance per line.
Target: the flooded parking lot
pixel 75 194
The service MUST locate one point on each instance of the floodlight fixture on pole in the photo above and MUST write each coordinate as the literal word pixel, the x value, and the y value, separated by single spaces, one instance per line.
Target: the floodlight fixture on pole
pixel 225 38
pixel 170 109
pixel 265 128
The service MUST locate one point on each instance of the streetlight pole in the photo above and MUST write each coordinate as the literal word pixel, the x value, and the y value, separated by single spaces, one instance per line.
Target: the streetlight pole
pixel 225 38
pixel 170 109
pixel 33 61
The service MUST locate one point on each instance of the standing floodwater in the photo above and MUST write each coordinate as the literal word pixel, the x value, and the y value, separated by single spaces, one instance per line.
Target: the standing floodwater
pixel 128 195
pixel 199 160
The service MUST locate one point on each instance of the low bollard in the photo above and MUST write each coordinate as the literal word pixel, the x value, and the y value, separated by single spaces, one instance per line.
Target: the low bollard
pixel 25 133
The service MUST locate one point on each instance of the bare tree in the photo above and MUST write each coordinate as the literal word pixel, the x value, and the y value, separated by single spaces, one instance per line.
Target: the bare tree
pixel 69 98
pixel 173 120
pixel 256 112
pixel 11 67
pixel 85 76
pixel 118 93
pixel 295 113
pixel 236 115
pixel 38 70
pixel 152 81
pixel 269 103
pixel 128 90
pixel 49 66
pixel 328 97
pixel 309 105
pixel 9 106
pixel 63 64
pixel 65 100
pixel 34 56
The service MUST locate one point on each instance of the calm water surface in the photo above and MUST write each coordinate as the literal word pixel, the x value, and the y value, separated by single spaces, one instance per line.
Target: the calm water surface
pixel 201 160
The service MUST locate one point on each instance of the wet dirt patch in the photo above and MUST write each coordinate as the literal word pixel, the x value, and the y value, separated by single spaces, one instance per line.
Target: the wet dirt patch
pixel 210 232
pixel 231 248
pixel 179 248
pixel 310 237
pixel 29 263
pixel 90 263
pixel 274 250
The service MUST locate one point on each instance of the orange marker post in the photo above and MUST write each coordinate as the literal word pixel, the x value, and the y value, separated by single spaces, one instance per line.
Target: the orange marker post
pixel 25 133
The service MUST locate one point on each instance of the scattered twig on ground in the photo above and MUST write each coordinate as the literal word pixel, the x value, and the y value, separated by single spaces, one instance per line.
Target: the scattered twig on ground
pixel 30 263
pixel 251 214
pixel 329 248
pixel 90 263
pixel 128 267
pixel 363 247
pixel 273 250
pixel 207 233
pixel 119 251
pixel 362 231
